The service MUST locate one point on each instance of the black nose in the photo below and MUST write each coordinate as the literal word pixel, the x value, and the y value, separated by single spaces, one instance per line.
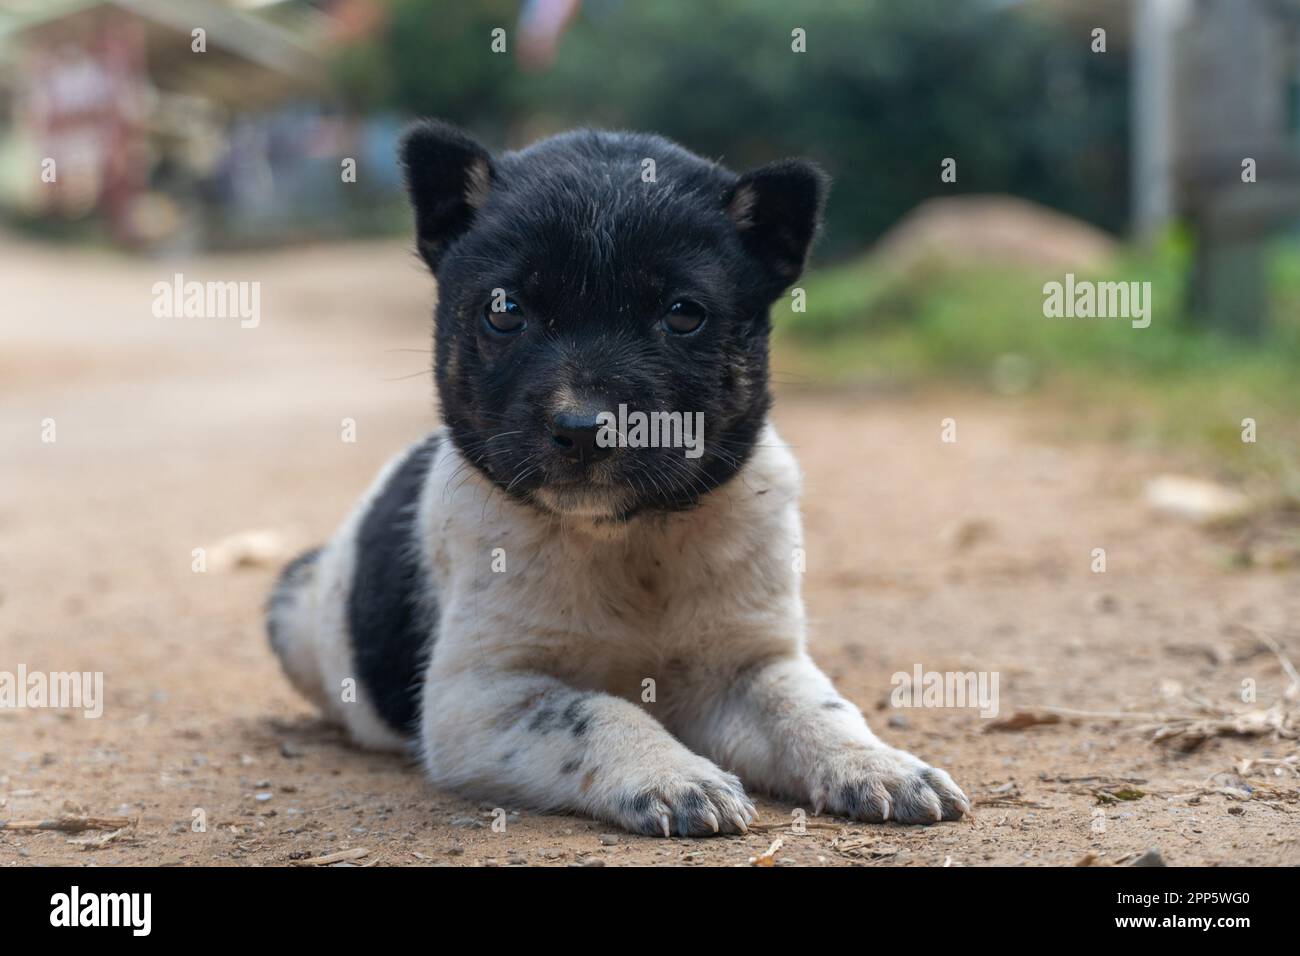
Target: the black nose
pixel 574 434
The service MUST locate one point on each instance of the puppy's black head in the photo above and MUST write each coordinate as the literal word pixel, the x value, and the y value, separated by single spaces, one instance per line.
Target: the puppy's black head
pixel 595 270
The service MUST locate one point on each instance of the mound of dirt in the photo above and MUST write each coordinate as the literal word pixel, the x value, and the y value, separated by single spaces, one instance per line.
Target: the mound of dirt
pixel 975 230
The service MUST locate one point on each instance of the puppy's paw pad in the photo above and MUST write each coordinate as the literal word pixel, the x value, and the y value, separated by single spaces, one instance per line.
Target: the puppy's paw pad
pixel 886 784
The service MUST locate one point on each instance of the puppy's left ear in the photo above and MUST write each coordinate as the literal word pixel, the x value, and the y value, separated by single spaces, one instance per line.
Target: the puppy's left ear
pixel 777 209
pixel 448 176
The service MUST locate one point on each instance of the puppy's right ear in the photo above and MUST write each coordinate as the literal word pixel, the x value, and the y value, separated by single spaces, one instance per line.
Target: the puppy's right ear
pixel 448 177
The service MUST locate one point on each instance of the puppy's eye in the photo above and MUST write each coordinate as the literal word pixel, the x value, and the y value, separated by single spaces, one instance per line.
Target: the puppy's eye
pixel 683 317
pixel 504 316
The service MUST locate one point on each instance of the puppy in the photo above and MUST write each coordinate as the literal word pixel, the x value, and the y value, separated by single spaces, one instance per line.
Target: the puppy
pixel 559 618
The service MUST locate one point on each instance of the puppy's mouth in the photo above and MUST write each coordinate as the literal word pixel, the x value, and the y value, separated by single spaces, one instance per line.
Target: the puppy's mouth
pixel 609 488
pixel 589 497
pixel 606 488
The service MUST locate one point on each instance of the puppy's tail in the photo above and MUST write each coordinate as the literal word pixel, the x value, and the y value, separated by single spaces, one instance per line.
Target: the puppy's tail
pixel 291 623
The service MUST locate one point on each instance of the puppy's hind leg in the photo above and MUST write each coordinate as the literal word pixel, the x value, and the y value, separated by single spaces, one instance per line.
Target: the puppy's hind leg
pixel 307 625
pixel 291 624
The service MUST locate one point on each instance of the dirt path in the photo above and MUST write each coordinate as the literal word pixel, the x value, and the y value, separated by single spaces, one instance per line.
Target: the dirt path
pixel 974 556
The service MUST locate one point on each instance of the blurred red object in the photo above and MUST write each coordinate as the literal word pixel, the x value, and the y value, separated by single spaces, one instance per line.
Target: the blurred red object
pixel 82 100
pixel 541 25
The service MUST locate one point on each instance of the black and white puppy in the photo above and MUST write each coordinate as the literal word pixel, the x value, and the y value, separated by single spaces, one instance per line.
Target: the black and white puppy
pixel 558 622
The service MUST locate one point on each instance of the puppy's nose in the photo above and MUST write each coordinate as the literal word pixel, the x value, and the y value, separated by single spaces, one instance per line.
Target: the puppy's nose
pixel 574 434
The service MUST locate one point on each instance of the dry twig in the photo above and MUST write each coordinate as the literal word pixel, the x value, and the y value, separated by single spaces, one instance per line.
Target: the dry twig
pixel 70 824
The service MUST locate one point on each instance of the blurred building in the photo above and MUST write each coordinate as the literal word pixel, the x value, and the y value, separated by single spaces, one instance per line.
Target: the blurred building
pixel 166 136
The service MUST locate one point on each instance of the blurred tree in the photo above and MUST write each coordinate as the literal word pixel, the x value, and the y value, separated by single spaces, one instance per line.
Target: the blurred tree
pixel 435 59
pixel 884 93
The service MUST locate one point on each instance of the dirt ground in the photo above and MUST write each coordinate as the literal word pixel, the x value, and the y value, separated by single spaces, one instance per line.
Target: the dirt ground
pixel 173 434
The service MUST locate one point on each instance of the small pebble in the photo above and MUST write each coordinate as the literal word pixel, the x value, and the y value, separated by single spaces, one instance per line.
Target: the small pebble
pixel 1105 604
pixel 1151 857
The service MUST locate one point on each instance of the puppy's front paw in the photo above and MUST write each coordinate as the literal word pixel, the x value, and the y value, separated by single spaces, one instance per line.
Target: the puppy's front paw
pixel 697 800
pixel 881 783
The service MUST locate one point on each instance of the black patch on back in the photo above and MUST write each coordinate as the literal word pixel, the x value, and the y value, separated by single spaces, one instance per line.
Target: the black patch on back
pixel 391 630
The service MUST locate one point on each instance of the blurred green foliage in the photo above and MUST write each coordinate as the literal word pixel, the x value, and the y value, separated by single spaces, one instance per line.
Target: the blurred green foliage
pixel 885 91
pixel 984 327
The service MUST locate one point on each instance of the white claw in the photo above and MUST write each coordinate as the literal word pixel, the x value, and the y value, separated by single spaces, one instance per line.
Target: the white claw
pixel 739 821
pixel 713 822
pixel 663 820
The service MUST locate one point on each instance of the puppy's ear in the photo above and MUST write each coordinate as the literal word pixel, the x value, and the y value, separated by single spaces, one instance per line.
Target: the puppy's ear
pixel 776 209
pixel 448 176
